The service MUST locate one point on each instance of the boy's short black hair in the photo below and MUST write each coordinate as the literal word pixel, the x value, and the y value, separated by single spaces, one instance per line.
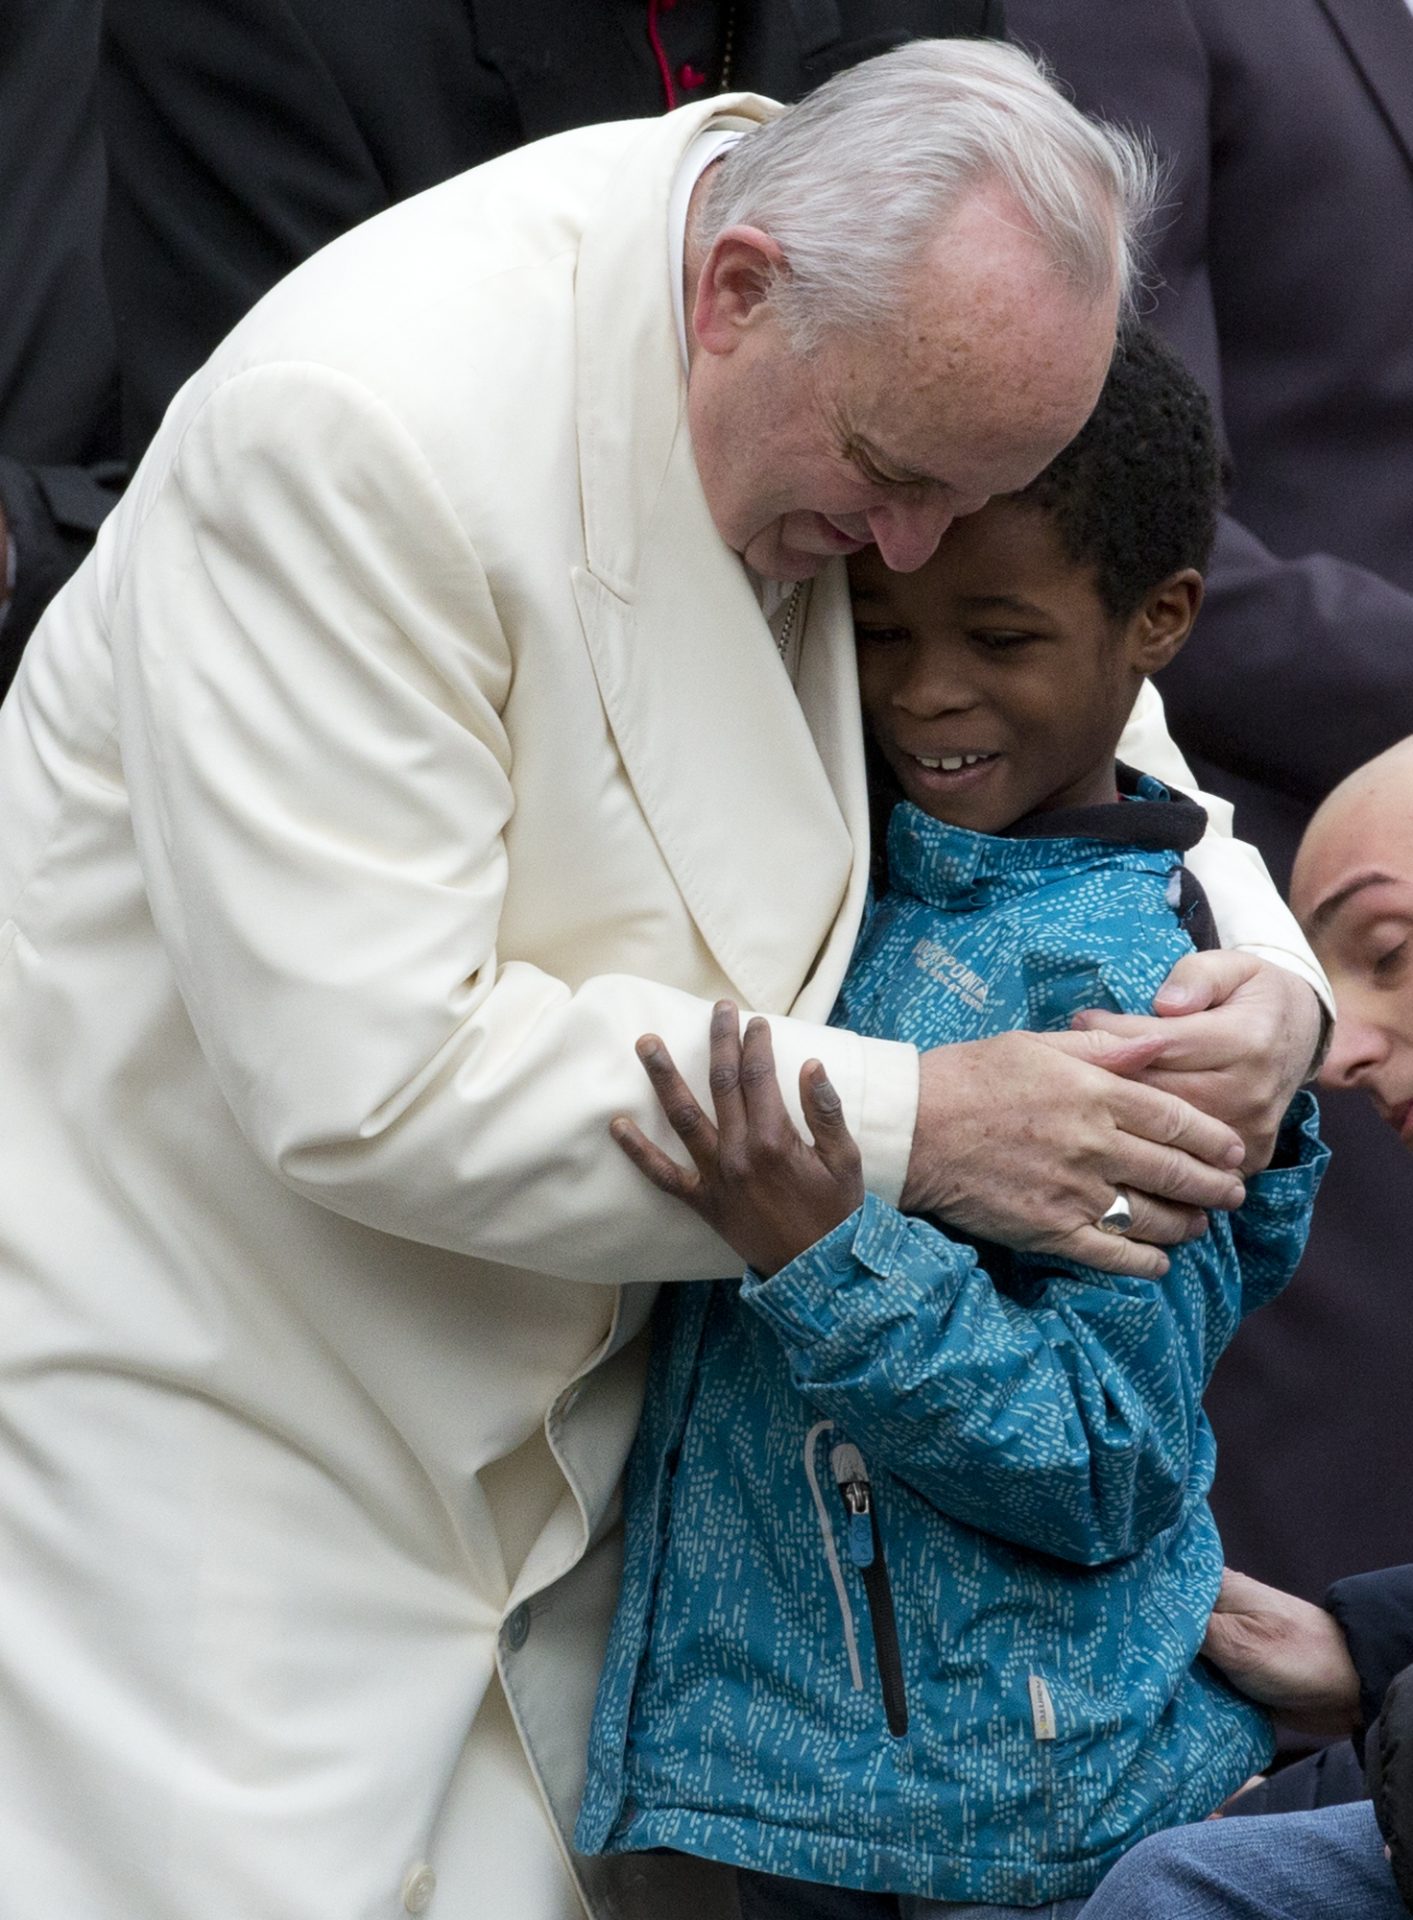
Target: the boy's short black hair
pixel 1136 493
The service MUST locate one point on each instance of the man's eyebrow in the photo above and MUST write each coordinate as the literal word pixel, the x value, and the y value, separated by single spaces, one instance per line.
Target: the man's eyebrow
pixel 891 468
pixel 1317 921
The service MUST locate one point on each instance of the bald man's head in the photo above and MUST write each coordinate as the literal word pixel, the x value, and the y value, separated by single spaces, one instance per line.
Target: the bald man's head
pixel 1352 891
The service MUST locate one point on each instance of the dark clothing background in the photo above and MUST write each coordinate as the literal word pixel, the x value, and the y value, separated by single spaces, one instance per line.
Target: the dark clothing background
pixel 58 416
pixel 244 134
pixel 1284 276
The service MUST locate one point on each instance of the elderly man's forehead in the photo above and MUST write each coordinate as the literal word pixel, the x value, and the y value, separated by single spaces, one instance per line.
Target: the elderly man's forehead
pixel 989 349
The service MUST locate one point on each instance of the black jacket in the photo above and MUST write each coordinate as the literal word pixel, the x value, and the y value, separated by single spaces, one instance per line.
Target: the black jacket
pixel 1376 1612
pixel 244 134
pixel 58 414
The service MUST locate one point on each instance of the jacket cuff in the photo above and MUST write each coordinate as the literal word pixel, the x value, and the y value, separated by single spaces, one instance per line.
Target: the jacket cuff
pixel 808 1301
pixel 1375 1611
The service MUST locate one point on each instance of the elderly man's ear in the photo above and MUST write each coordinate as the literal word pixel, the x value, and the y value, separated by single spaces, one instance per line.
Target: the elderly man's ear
pixel 1161 625
pixel 734 287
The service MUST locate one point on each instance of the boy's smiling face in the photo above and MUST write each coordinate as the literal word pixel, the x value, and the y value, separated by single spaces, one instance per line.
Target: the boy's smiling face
pixel 994 680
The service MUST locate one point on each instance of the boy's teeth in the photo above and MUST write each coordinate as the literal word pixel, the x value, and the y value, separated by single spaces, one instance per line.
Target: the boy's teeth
pixel 952 762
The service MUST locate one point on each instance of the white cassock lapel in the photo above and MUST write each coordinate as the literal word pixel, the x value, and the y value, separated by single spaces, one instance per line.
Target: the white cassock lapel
pixel 754 793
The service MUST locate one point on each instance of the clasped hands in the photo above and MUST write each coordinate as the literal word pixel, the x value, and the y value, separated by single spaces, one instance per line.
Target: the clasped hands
pixel 1021 1138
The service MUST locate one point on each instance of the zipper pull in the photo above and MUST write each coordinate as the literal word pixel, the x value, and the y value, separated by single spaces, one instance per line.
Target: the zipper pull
pixel 846 1463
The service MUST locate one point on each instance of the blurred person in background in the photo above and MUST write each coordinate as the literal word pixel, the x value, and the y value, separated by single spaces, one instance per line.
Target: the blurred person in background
pixel 1342 1668
pixel 1282 269
pixel 59 469
pixel 245 134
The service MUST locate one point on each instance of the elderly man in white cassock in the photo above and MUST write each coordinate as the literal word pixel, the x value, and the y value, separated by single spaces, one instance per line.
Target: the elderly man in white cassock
pixel 464 687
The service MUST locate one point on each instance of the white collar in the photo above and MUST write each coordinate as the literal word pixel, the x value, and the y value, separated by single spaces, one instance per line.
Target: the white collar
pixel 714 139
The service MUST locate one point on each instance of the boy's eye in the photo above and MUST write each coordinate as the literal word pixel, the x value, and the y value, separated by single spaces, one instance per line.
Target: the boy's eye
pixel 1000 641
pixel 881 636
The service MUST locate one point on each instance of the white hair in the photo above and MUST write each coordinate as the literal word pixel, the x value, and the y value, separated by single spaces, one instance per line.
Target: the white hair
pixel 855 179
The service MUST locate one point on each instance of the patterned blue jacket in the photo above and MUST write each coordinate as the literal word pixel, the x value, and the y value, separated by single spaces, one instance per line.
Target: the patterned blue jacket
pixel 919 1556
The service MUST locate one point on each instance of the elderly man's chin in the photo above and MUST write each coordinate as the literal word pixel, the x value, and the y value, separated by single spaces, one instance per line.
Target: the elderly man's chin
pixel 798 546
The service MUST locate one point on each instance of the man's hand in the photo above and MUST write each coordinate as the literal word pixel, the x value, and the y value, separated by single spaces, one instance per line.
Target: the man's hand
pixel 1239 1036
pixel 767 1192
pixel 1025 1137
pixel 1286 1653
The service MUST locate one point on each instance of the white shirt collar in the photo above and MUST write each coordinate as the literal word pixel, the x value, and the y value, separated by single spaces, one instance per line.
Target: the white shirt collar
pixel 713 139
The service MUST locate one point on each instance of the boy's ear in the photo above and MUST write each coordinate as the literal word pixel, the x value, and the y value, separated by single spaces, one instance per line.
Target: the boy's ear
pixel 1164 620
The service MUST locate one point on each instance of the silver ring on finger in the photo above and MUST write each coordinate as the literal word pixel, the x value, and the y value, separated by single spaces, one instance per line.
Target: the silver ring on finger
pixel 1117 1217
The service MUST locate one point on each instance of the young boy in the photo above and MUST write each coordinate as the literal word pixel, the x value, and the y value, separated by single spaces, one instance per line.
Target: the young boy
pixel 919 1557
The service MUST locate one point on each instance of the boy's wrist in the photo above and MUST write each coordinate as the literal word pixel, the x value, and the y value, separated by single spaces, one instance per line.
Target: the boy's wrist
pixel 793 1236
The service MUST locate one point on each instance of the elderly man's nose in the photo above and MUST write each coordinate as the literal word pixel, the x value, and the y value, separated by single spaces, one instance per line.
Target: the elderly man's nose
pixel 906 534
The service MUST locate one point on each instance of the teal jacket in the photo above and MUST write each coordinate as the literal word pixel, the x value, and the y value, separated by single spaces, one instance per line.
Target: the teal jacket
pixel 919 1556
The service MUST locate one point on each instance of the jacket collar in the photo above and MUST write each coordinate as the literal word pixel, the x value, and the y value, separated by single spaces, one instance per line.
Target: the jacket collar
pixel 754 790
pixel 953 868
pixel 1147 815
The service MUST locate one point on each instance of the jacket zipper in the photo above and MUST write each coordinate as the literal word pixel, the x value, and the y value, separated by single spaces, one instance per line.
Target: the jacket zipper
pixel 864 1544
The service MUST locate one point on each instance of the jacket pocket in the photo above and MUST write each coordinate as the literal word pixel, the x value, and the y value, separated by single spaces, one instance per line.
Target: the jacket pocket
pixel 847 1465
pixel 863 1549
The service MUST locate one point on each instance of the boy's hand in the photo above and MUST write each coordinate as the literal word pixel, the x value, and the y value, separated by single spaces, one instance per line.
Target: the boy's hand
pixel 1239 1035
pixel 766 1191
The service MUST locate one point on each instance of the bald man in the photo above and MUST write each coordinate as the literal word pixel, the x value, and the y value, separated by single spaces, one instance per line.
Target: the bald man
pixel 1322 1669
pixel 1353 889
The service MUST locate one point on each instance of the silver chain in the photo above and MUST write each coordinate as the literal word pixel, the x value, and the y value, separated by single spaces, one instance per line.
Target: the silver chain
pixel 792 611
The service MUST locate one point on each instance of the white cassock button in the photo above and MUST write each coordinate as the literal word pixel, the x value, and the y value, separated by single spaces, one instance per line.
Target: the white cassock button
pixel 418 1888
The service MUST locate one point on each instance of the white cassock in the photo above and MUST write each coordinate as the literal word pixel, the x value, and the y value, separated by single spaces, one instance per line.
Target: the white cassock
pixel 410 745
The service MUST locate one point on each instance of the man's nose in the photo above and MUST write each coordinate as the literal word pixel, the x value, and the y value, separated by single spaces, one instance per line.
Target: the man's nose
pixel 906 532
pixel 1356 1050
